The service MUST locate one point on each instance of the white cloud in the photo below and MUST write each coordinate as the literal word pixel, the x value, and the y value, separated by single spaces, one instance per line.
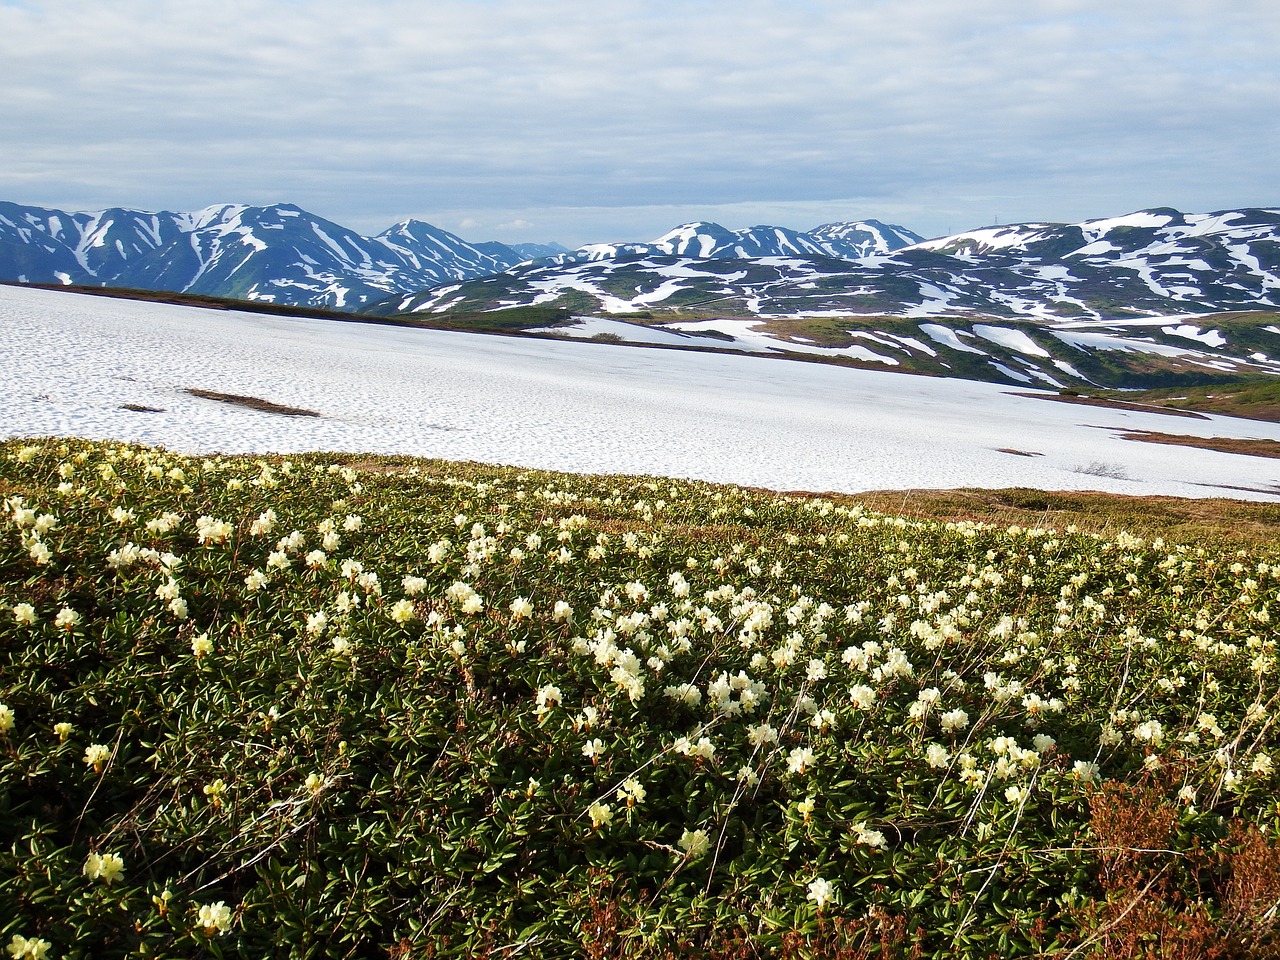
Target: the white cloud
pixel 530 111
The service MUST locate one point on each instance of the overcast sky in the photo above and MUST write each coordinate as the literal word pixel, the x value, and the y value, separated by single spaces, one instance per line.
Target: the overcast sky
pixel 583 121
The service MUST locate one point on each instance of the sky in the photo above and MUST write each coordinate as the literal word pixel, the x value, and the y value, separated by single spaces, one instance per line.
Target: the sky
pixel 559 120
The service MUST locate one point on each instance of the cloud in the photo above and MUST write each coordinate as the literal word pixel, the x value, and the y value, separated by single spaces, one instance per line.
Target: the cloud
pixel 1056 109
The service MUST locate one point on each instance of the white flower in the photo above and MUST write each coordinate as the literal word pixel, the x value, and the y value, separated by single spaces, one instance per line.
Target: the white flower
pixel 95 755
pixel 1085 770
pixel 868 837
pixel 1149 731
pixel 211 530
pixel 62 730
pixel 40 553
pixel 414 585
pixel 936 755
pixel 954 720
pixel 761 734
pixel 402 611
pixel 214 918
pixel 601 814
pixel 1043 742
pixel 695 844
pixel 106 867
pixel 799 760
pixel 66 618
pixel 23 948
pixel 816 670
pixel 24 614
pixel 264 524
pixel 561 611
pixel 6 718
pixel 592 749
pixel 863 696
pixel 821 892
pixel 520 608
pixel 201 645
pixel 632 791
pixel 547 697
pixel 316 622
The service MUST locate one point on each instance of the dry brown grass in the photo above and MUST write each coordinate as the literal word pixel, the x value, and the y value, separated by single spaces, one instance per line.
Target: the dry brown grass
pixel 1248 448
pixel 253 403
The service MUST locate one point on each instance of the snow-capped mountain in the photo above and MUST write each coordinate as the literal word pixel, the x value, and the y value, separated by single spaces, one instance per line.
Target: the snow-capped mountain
pixel 704 239
pixel 1152 263
pixel 279 253
pixel 1125 301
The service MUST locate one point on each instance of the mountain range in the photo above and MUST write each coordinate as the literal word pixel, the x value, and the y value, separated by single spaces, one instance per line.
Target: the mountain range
pixel 278 253
pixel 1148 264
pixel 1156 296
pixel 283 254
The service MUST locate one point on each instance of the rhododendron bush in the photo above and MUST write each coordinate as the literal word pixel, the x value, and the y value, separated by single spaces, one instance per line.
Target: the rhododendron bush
pixel 267 706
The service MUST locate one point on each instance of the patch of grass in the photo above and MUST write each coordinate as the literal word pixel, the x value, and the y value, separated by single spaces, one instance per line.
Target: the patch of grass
pixel 1252 398
pixel 509 320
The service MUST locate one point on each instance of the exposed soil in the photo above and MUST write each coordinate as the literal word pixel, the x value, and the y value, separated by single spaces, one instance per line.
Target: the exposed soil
pixel 253 403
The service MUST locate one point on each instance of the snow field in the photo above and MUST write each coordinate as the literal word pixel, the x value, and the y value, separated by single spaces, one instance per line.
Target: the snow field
pixel 72 362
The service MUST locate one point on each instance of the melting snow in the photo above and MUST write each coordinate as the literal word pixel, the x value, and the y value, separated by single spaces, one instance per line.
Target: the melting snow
pixel 1102 341
pixel 1014 340
pixel 72 361
pixel 1190 332
pixel 948 338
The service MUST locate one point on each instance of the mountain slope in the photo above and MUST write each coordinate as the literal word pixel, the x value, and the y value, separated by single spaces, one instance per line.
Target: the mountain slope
pixel 1153 263
pixel 1154 297
pixel 279 253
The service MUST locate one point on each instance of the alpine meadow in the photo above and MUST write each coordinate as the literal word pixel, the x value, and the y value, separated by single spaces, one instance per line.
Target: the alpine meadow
pixel 325 706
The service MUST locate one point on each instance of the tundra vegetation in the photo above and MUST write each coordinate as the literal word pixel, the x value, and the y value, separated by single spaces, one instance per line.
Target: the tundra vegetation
pixel 320 706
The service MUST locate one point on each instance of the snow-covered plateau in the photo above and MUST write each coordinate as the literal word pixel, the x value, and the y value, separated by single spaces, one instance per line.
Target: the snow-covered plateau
pixel 95 367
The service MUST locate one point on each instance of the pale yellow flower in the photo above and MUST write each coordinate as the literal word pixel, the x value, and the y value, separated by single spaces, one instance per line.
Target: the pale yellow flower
pixel 106 867
pixel 95 755
pixel 214 918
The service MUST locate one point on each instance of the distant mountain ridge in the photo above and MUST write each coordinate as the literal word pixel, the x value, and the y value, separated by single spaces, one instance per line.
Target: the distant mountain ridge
pixel 282 254
pixel 704 239
pixel 1148 264
pixel 278 253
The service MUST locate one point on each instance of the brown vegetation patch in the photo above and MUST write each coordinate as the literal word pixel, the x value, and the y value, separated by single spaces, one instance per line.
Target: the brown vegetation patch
pixel 253 403
pixel 1248 448
pixel 1173 518
pixel 1106 402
